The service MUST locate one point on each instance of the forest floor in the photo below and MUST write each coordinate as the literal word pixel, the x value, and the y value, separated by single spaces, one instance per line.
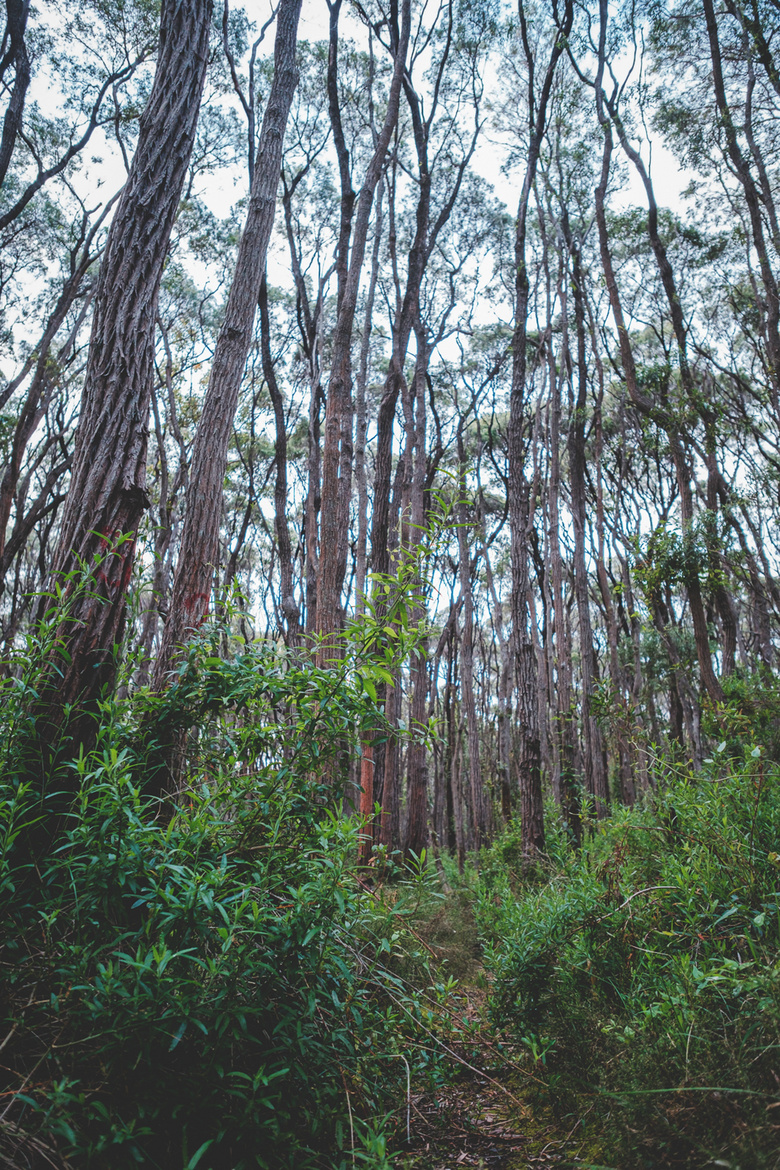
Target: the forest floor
pixel 488 1112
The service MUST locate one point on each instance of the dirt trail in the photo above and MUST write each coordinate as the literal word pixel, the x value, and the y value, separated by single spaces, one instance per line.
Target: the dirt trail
pixel 488 1115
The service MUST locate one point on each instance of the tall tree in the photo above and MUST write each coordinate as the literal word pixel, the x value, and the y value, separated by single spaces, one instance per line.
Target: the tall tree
pixel 520 511
pixel 107 494
pixel 192 587
pixel 337 448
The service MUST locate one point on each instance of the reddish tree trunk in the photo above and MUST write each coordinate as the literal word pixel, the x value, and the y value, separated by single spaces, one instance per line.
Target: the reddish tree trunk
pixel 16 24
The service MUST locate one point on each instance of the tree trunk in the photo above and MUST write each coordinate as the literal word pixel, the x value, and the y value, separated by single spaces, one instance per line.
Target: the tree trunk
pixel 337 449
pixel 565 730
pixel 662 417
pixel 529 754
pixel 476 787
pixel 198 553
pixel 361 422
pixel 107 494
pixel 595 778
pixel 16 24
pixel 289 606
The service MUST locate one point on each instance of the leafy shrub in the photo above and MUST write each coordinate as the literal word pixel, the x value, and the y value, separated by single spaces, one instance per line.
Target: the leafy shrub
pixel 646 970
pixel 210 989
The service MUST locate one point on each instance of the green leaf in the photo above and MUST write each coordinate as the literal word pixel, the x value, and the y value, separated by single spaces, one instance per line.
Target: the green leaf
pixel 196 1157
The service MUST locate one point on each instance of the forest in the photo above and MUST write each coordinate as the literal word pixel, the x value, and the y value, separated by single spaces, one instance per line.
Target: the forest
pixel 390 584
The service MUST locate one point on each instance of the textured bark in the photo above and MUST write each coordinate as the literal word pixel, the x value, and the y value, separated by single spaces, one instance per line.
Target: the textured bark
pixel 476 788
pixel 310 329
pixel 199 549
pixel 389 796
pixel 569 792
pixel 621 734
pixel 342 153
pixel 367 802
pixel 454 749
pixel 337 449
pixel 361 421
pixel 504 688
pixel 16 25
pixel 312 506
pixel 417 758
pixel 107 493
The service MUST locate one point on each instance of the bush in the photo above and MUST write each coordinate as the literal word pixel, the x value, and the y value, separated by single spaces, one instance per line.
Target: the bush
pixel 209 989
pixel 644 975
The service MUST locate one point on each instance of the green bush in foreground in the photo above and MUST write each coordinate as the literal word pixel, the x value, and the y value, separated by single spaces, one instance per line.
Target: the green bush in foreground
pixel 642 976
pixel 206 990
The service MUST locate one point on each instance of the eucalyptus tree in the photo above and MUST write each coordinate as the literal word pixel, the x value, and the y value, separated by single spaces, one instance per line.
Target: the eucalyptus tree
pixel 192 586
pixel 549 44
pixel 54 213
pixel 107 494
pixel 443 90
pixel 15 56
pixel 337 445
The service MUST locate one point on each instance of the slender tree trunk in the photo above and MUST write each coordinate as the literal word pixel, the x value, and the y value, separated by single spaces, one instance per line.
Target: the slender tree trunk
pixel 529 755
pixel 16 24
pixel 662 417
pixel 367 802
pixel 289 606
pixel 752 199
pixel 361 422
pixel 337 449
pixel 504 730
pixel 595 778
pixel 570 795
pixel 476 787
pixel 417 790
pixel 199 549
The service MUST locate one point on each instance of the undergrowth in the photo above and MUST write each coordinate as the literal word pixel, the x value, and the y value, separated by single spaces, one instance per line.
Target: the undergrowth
pixel 214 988
pixel 641 975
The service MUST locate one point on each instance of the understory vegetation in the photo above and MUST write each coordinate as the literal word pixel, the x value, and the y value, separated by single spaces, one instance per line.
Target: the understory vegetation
pixel 641 973
pixel 222 984
pixel 212 987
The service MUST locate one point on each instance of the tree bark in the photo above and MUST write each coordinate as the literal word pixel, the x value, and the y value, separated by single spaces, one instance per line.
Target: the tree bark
pixel 107 494
pixel 198 553
pixel 476 787
pixel 337 449
pixel 289 606
pixel 595 777
pixel 16 25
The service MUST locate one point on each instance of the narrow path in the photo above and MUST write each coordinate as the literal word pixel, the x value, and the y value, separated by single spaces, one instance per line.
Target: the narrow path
pixel 488 1115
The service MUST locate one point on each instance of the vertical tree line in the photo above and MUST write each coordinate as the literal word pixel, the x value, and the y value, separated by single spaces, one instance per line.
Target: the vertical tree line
pixel 449 355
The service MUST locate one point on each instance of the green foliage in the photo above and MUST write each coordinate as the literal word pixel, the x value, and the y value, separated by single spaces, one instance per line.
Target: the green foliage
pixel 751 713
pixel 213 988
pixel 644 974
